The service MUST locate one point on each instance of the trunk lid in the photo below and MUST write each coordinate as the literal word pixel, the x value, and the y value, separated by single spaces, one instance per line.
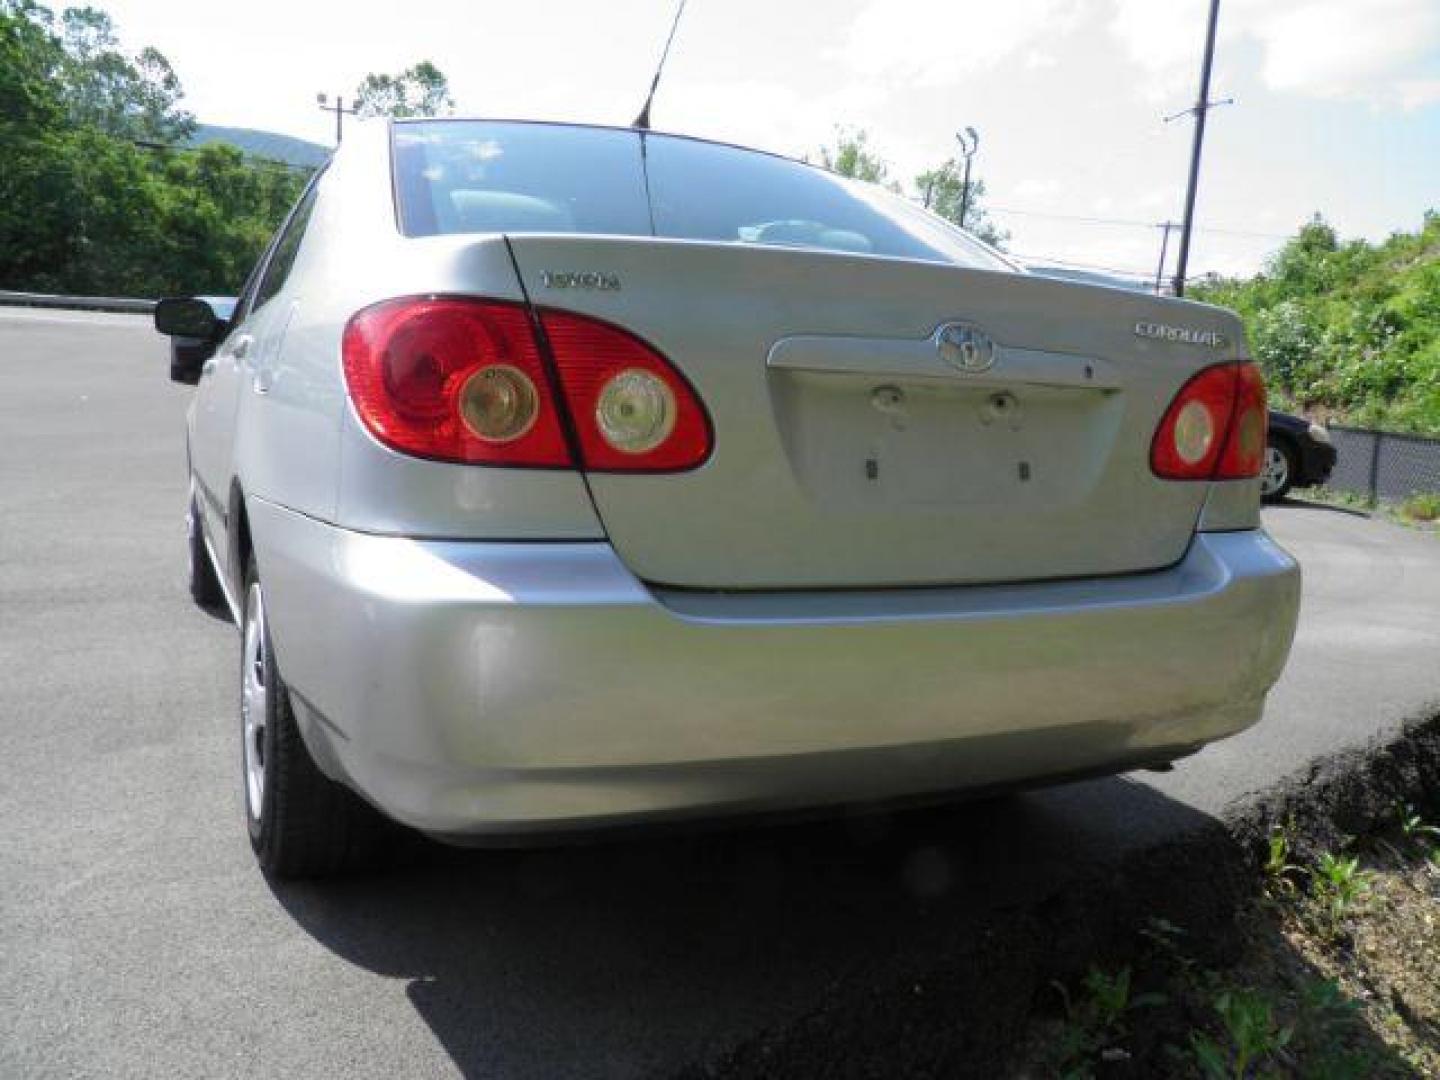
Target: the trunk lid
pixel 850 453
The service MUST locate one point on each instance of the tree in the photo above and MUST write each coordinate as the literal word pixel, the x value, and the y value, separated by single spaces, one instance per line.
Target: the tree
pixel 421 90
pixel 939 189
pixel 88 201
pixel 131 98
pixel 942 191
pixel 851 156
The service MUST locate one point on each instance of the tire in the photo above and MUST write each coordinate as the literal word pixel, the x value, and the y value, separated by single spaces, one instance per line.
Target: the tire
pixel 204 584
pixel 1277 475
pixel 301 823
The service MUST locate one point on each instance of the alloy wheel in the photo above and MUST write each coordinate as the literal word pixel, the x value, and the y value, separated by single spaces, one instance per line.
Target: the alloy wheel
pixel 1276 472
pixel 254 701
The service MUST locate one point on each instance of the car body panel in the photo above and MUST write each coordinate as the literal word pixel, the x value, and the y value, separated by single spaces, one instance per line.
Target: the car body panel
pixel 488 687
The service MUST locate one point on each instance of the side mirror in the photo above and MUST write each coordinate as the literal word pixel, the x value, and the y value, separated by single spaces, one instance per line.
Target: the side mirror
pixel 188 317
pixel 195 326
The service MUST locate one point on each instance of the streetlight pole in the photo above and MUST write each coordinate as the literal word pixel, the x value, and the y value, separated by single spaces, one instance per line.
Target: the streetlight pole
pixel 967 149
pixel 338 109
pixel 1167 225
pixel 1203 105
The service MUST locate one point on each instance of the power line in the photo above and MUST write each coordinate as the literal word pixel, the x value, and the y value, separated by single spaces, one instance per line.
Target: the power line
pixel 1136 222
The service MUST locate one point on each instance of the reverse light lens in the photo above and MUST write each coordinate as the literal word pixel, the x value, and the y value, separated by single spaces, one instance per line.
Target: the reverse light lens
pixel 635 411
pixel 1194 432
pixel 499 403
pixel 1320 434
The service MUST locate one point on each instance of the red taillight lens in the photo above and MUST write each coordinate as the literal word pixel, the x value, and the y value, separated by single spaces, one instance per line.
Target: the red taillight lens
pixel 463 379
pixel 1215 427
pixel 453 379
pixel 633 412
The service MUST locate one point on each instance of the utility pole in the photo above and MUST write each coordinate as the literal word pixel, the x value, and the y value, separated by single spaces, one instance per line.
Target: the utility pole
pixel 1164 247
pixel 1203 104
pixel 338 109
pixel 967 149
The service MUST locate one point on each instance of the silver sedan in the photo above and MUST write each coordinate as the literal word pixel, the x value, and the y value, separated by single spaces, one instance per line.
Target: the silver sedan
pixel 563 477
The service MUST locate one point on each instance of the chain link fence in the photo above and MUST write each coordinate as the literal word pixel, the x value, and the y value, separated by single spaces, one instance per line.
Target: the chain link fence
pixel 1383 465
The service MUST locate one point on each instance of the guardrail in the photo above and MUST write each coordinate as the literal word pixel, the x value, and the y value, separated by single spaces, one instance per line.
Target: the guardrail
pixel 80 303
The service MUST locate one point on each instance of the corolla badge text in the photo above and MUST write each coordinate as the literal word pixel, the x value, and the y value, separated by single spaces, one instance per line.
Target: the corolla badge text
pixel 965 347
pixel 580 279
pixel 1185 335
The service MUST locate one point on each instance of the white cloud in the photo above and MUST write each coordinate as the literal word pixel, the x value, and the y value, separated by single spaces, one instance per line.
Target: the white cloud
pixel 940 42
pixel 1033 191
pixel 1346 48
pixel 1386 52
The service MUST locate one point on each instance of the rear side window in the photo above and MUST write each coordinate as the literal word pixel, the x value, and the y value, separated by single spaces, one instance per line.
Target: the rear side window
pixel 488 177
pixel 286 248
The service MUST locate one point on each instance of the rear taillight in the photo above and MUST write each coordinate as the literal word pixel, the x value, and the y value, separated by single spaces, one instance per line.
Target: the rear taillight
pixel 1215 427
pixel 453 379
pixel 463 379
pixel 633 411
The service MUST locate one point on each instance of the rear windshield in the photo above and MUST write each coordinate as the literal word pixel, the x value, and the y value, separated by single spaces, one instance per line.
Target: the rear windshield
pixel 463 176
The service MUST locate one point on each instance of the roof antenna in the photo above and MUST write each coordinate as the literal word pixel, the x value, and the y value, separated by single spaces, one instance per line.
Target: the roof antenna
pixel 642 122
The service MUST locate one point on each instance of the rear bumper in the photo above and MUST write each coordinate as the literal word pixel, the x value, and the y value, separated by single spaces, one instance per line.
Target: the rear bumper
pixel 493 688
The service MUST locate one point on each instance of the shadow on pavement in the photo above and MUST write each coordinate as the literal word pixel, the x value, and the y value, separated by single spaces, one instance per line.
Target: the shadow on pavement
pixel 914 937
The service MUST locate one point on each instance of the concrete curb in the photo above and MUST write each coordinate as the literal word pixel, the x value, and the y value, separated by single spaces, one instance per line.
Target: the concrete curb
pixel 962 1014
pixel 77 303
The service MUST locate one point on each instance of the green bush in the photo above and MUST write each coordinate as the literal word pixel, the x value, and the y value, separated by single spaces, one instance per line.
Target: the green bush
pixel 1348 331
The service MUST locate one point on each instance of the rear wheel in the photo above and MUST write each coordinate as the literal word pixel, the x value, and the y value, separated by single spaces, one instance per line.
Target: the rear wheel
pixel 204 583
pixel 301 823
pixel 1278 474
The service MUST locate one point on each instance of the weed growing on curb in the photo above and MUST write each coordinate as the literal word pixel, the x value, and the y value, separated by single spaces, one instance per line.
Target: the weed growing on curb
pixel 1337 887
pixel 1251 1036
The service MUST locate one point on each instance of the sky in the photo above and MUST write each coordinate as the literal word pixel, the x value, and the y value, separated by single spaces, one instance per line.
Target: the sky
pixel 1336 102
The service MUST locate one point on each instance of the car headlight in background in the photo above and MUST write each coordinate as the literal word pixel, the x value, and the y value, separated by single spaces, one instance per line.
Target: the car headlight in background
pixel 1320 433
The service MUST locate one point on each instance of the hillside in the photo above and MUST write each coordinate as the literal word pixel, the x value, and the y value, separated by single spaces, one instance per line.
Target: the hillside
pixel 1348 331
pixel 264 144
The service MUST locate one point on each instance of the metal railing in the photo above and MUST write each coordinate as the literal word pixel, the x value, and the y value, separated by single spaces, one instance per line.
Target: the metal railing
pixel 81 303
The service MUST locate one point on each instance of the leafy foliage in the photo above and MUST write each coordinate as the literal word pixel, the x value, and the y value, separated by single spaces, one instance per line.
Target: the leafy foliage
pixel 95 195
pixel 852 156
pixel 1349 330
pixel 940 189
pixel 419 90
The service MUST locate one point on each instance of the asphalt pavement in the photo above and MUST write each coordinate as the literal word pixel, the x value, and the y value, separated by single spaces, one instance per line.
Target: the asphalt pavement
pixel 138 939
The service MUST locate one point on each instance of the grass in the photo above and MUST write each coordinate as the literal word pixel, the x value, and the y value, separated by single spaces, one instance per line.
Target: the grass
pixel 1421 509
pixel 1338 977
pixel 1421 506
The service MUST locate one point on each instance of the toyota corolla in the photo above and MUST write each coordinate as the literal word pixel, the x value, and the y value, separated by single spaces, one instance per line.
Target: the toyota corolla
pixel 562 477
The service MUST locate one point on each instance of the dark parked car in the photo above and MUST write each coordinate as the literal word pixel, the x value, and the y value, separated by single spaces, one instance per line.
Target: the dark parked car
pixel 1297 454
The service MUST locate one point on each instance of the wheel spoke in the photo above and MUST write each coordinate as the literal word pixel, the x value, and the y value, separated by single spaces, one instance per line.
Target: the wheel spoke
pixel 254 701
